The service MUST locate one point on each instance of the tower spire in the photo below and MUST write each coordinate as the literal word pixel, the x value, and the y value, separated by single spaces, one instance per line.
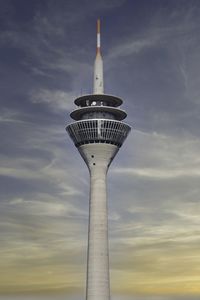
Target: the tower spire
pixel 98 36
pixel 98 87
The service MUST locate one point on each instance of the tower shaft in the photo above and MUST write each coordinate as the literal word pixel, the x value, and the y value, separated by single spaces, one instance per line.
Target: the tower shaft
pixel 98 158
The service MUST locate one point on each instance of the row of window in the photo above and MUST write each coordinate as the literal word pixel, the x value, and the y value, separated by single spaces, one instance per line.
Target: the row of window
pixel 105 131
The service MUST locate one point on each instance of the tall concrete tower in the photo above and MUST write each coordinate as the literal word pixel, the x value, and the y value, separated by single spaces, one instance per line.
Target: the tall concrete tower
pixel 98 132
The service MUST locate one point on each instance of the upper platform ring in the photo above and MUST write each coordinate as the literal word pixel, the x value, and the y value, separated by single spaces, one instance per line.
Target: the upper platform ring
pixel 116 112
pixel 87 100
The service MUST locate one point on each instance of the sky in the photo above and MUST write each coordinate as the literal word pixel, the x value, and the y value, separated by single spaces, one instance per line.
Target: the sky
pixel 151 52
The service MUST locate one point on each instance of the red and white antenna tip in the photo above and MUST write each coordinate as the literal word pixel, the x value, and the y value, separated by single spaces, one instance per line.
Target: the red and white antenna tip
pixel 98 36
pixel 98 26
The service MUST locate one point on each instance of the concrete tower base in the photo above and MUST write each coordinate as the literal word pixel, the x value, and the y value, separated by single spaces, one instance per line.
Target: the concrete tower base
pixel 98 157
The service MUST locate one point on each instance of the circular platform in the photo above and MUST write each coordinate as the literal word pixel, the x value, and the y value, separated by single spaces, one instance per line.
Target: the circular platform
pixel 117 113
pixel 87 100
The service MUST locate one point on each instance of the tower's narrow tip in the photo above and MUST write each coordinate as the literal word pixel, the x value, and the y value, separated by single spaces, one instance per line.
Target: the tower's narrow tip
pixel 98 65
pixel 98 26
pixel 98 36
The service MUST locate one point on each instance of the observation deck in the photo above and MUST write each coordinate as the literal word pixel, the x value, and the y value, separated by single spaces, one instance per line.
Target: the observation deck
pixel 98 120
pixel 104 99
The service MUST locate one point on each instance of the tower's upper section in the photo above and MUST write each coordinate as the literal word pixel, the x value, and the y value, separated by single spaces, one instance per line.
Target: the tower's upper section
pixel 98 65
pixel 98 116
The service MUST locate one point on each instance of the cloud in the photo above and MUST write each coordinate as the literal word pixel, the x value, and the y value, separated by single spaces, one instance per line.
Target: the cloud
pixel 55 99
pixel 45 245
pixel 46 208
pixel 133 46
pixel 159 174
pixel 11 116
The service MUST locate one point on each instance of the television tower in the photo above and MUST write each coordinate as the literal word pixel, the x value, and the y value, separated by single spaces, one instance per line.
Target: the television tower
pixel 98 132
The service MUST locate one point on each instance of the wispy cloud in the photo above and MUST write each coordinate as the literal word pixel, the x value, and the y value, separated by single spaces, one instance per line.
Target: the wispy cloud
pixel 133 46
pixel 55 99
